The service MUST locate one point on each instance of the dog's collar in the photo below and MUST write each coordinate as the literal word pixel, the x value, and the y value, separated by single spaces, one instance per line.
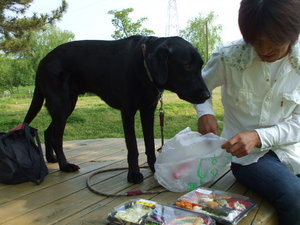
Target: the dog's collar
pixel 148 71
pixel 145 63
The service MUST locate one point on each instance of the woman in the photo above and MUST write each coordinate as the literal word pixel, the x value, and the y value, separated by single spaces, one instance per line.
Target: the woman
pixel 260 80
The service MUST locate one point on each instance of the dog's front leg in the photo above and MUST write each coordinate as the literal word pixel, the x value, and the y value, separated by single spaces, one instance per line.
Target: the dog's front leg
pixel 134 175
pixel 147 119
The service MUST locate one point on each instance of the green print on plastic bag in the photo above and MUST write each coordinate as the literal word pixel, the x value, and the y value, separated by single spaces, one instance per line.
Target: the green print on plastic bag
pixel 192 186
pixel 208 169
pixel 211 164
pixel 212 172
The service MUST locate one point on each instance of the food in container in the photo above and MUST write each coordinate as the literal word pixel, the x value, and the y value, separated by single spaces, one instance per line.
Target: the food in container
pixel 168 215
pixel 224 207
pixel 131 212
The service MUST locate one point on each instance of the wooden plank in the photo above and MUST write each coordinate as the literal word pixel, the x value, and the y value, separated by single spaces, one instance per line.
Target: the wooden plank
pixel 73 203
pixel 266 214
pixel 224 183
pixel 57 199
pixel 45 196
pixel 167 198
pixel 101 160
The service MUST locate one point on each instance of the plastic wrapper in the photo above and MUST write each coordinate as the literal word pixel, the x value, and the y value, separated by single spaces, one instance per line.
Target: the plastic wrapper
pixel 166 215
pixel 146 212
pixel 224 207
pixel 190 160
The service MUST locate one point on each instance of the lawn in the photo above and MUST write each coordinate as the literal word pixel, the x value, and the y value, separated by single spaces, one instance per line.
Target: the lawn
pixel 92 118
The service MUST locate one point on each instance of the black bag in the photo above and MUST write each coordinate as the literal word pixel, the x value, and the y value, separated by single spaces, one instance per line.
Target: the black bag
pixel 21 157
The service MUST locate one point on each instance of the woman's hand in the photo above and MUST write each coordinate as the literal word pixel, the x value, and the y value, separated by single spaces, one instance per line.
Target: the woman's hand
pixel 242 144
pixel 207 124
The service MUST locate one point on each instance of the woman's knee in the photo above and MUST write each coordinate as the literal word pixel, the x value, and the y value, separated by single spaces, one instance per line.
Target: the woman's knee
pixel 289 198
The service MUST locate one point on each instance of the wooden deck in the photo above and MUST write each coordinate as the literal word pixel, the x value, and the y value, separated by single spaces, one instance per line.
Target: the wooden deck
pixel 63 198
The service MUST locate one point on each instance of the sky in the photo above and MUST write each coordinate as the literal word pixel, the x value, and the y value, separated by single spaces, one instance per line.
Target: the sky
pixel 89 19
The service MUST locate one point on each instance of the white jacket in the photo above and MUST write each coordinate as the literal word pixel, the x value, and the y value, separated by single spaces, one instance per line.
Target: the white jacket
pixel 252 102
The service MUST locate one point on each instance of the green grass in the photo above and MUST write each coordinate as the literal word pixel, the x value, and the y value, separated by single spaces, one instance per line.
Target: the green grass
pixel 92 118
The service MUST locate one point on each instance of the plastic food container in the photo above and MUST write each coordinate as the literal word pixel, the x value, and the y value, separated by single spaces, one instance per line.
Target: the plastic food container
pixel 146 212
pixel 132 212
pixel 224 207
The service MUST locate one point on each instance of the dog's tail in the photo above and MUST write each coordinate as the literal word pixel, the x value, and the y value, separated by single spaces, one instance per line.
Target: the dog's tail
pixel 35 106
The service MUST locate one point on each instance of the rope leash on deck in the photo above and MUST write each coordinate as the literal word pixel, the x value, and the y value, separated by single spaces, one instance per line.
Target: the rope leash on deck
pixel 129 193
pixel 133 192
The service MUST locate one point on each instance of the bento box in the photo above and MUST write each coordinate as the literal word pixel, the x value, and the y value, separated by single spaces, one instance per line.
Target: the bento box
pixel 133 212
pixel 146 212
pixel 224 207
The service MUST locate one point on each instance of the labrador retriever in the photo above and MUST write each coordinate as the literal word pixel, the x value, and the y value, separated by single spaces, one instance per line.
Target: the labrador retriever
pixel 128 74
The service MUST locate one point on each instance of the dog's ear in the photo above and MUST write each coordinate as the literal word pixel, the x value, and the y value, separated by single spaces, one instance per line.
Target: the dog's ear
pixel 157 62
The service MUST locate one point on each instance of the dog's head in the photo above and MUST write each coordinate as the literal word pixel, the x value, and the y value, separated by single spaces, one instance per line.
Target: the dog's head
pixel 176 65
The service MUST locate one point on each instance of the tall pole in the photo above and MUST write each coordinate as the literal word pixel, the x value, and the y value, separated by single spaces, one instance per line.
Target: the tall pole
pixel 206 41
pixel 172 27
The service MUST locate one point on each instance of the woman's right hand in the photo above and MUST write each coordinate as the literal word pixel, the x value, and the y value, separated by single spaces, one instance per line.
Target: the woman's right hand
pixel 208 124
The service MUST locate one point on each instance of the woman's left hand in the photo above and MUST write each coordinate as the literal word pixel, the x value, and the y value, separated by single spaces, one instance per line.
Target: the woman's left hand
pixel 242 144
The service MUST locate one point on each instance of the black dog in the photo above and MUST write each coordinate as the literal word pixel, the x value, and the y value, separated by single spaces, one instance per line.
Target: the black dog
pixel 128 74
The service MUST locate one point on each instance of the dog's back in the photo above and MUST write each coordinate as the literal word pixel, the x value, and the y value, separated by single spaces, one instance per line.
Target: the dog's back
pixel 100 67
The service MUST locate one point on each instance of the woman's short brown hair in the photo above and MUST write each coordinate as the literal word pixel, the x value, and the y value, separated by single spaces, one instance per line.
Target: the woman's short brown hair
pixel 279 20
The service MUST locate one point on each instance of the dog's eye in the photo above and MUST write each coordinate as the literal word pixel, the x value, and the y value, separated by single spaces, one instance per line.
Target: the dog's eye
pixel 188 66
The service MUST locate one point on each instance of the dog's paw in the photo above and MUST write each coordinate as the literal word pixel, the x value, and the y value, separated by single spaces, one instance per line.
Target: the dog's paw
pixel 135 177
pixel 69 167
pixel 51 158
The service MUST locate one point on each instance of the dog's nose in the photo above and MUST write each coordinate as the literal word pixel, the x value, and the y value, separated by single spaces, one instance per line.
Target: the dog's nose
pixel 197 97
pixel 204 95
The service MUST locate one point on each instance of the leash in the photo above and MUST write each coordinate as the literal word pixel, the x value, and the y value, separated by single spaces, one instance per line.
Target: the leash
pixel 133 192
pixel 161 121
pixel 129 193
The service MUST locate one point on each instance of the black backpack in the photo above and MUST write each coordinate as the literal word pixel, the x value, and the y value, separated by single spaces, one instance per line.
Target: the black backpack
pixel 21 156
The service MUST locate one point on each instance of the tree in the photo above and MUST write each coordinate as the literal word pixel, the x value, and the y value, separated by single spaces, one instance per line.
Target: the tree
pixel 16 28
pixel 19 70
pixel 125 27
pixel 203 34
pixel 7 76
pixel 42 42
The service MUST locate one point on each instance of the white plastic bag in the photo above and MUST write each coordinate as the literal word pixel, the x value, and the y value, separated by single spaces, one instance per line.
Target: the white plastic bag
pixel 189 160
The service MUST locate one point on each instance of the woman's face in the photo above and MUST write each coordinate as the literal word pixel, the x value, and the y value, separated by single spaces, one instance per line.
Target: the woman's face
pixel 268 51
